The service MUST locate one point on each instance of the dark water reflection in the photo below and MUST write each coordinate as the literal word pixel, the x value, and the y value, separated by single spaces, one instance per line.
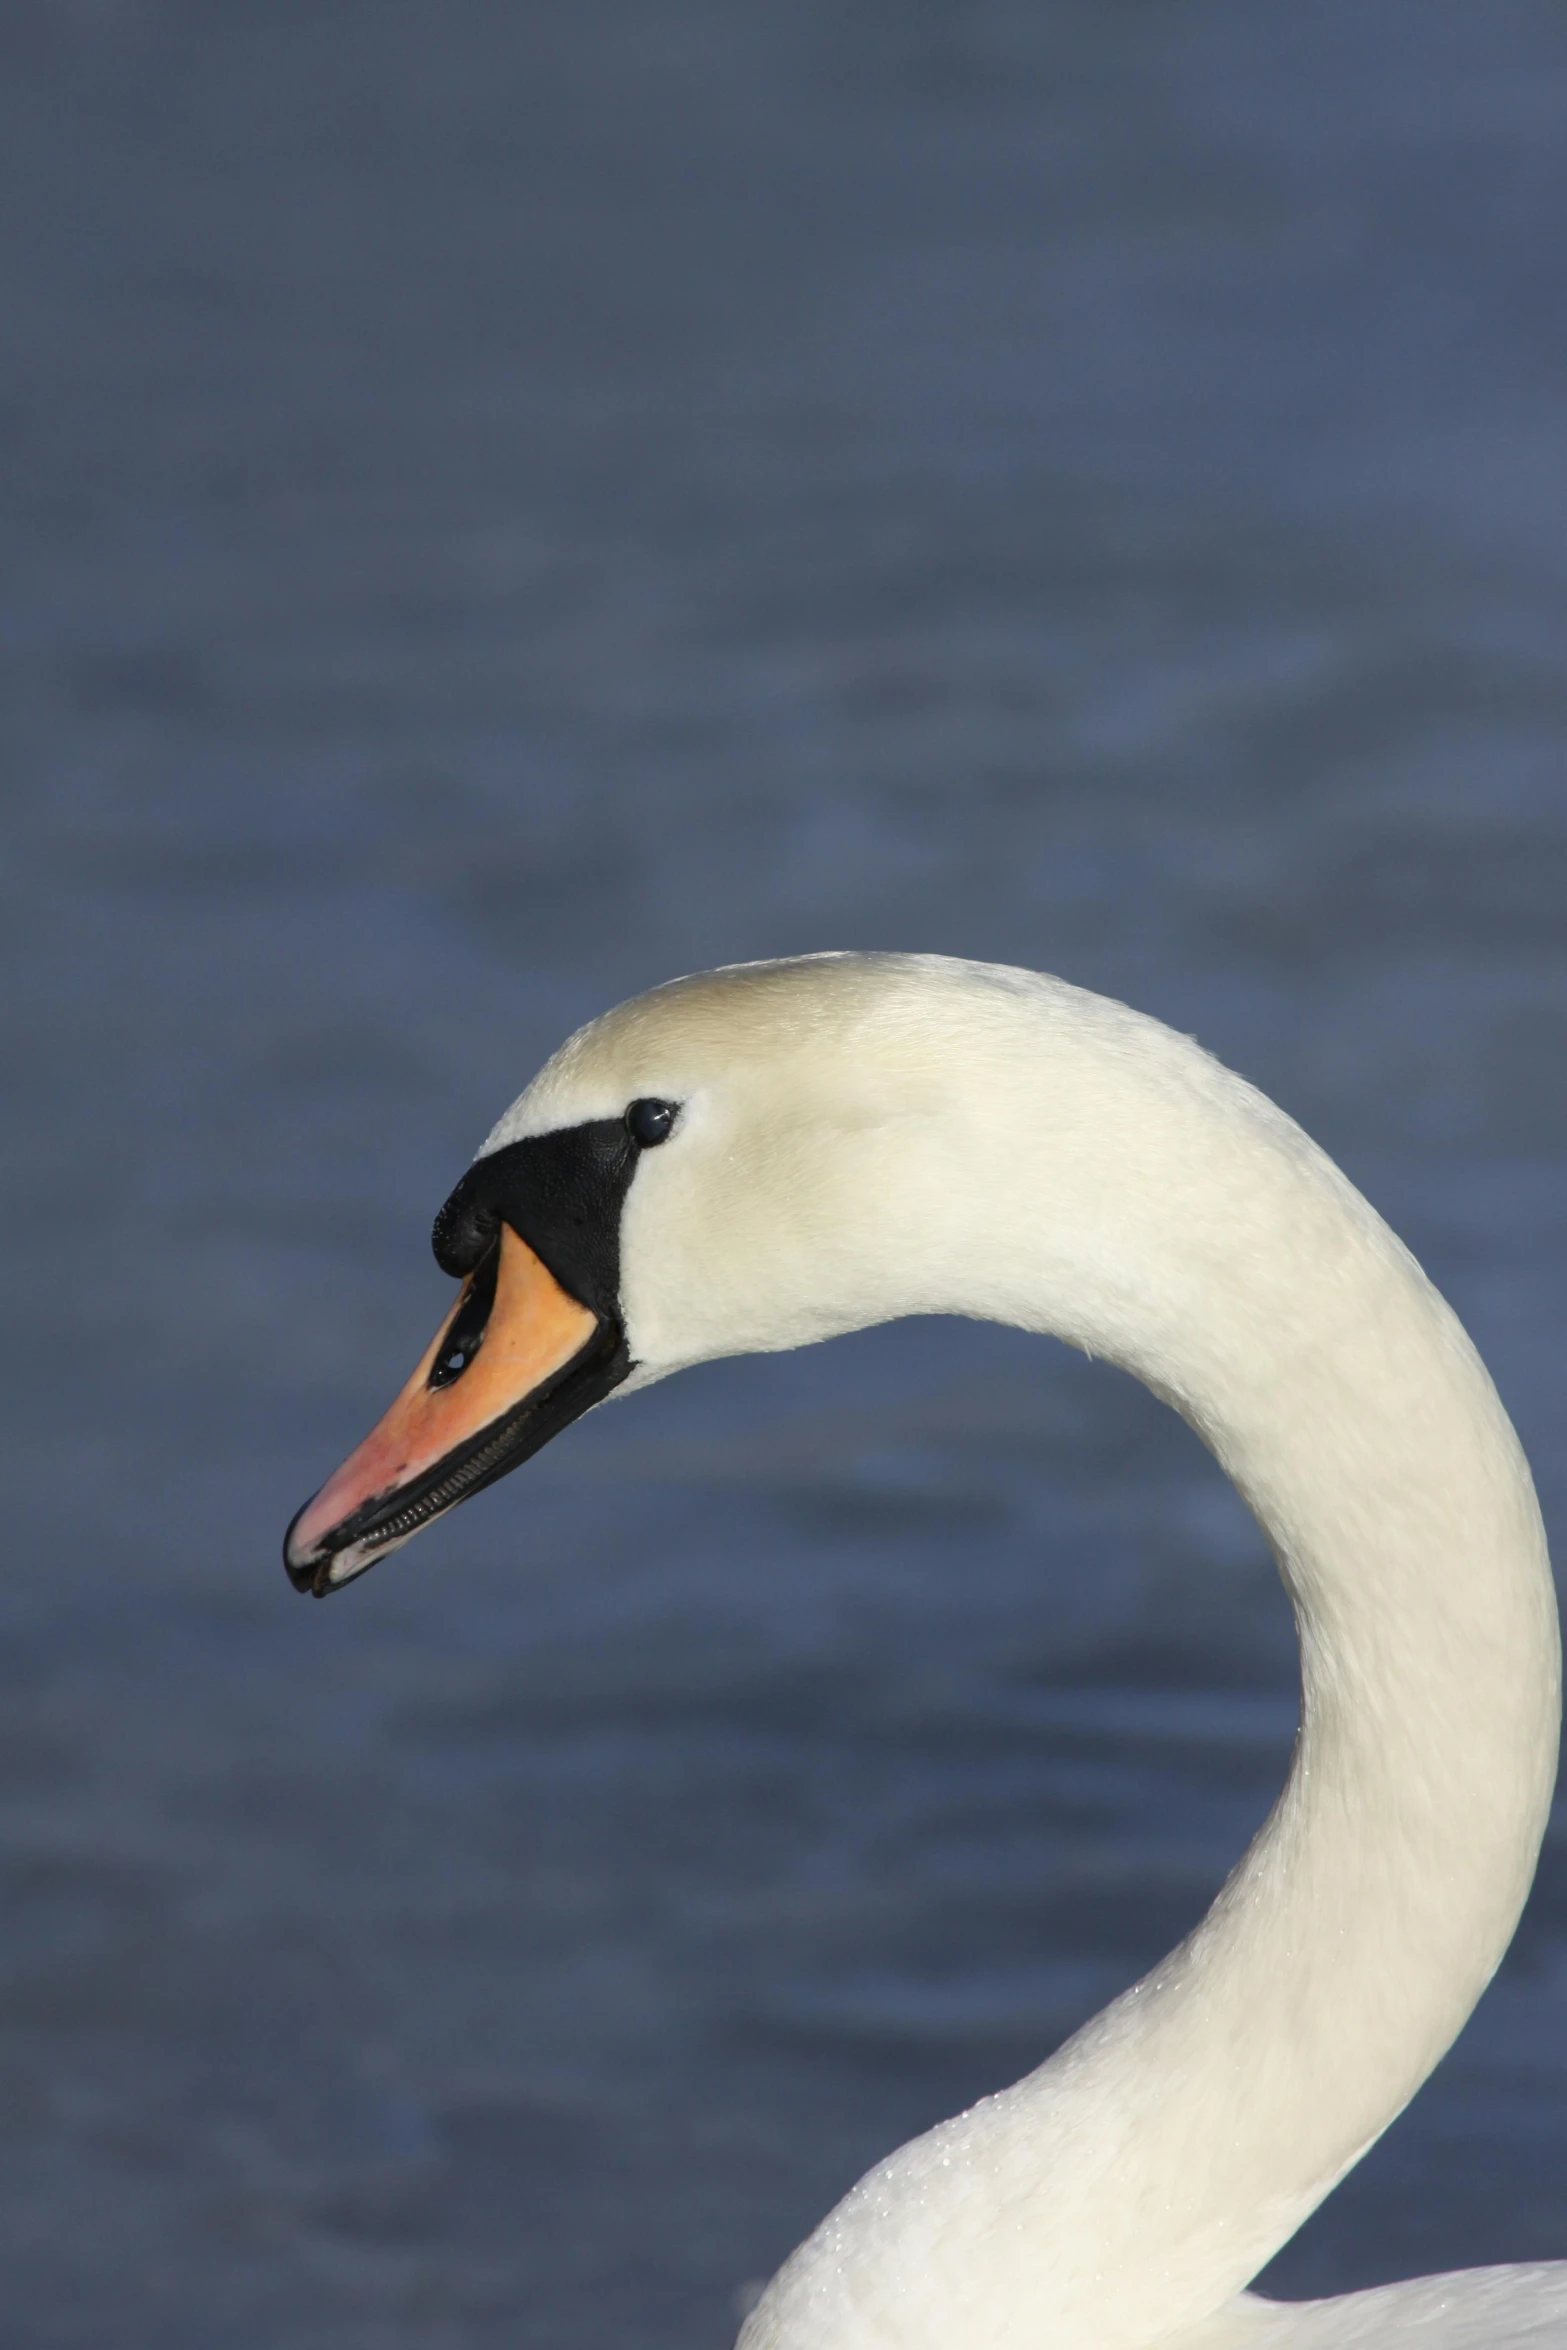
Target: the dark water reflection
pixel 503 504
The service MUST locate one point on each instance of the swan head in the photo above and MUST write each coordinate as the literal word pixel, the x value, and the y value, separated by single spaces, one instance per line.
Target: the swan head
pixel 727 1165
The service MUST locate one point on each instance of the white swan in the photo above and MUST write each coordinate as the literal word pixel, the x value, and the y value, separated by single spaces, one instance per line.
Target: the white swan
pixel 773 1153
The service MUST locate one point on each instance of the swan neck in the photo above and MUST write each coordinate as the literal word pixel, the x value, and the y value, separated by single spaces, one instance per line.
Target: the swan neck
pixel 1142 1203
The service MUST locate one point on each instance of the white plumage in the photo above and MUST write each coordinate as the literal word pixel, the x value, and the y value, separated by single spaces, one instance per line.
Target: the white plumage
pixel 867 1136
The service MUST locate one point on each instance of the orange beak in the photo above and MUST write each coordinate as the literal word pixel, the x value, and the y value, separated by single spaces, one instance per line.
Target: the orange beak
pixel 515 1360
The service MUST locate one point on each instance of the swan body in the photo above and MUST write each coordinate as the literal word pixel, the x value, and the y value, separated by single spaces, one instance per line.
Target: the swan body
pixel 768 1155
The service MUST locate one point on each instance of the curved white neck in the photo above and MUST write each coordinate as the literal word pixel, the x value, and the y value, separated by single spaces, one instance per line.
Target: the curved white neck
pixel 1102 1180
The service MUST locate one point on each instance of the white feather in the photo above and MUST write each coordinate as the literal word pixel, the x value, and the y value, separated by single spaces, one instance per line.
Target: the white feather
pixel 867 1136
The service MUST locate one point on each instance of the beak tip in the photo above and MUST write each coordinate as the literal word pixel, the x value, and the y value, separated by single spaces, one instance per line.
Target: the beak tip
pixel 308 1571
pixel 314 1577
pixel 306 1575
pixel 325 1567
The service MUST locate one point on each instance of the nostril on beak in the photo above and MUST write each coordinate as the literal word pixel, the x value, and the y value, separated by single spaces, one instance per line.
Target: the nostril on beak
pixel 465 1333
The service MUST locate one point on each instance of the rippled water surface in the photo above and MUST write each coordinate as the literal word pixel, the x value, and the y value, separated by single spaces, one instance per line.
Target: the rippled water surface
pixel 503 503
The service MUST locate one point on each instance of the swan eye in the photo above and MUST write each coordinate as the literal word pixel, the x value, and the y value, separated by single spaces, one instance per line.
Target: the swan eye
pixel 465 1333
pixel 649 1122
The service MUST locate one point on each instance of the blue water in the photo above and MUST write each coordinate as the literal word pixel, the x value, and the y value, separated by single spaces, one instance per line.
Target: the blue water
pixel 503 503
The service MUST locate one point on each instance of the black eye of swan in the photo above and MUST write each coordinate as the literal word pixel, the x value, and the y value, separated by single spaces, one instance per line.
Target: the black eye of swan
pixel 649 1122
pixel 466 1335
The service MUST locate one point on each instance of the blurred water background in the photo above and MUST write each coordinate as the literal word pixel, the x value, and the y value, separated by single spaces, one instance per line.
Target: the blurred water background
pixel 505 502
